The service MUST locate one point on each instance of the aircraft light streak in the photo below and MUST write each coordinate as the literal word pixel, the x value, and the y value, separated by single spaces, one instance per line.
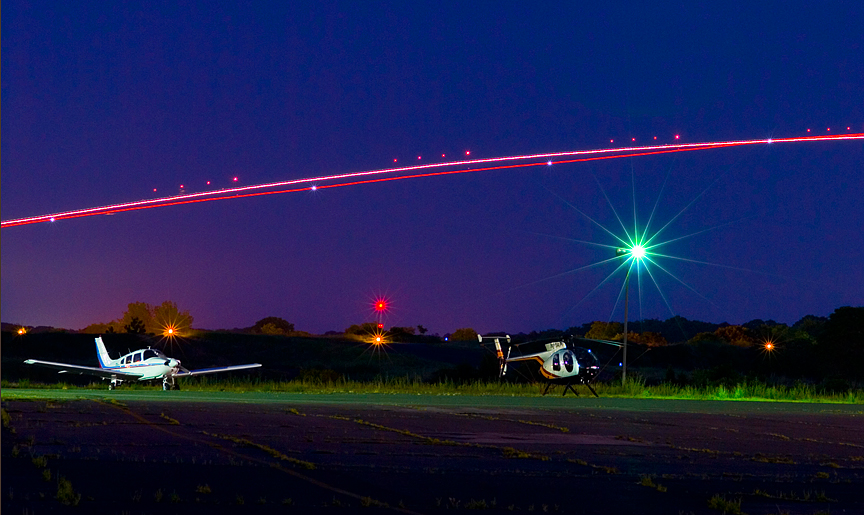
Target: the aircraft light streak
pixel 404 173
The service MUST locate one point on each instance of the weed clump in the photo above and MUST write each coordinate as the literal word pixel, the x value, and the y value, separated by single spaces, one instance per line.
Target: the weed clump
pixel 66 494
pixel 720 503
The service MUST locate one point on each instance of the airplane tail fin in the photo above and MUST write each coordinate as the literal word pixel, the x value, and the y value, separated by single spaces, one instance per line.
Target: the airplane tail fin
pixel 104 359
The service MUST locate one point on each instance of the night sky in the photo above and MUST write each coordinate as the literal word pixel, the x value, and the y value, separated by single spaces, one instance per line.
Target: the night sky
pixel 102 103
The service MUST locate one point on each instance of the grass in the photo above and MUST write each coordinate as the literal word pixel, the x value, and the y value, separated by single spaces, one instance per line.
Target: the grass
pixel 720 503
pixel 746 391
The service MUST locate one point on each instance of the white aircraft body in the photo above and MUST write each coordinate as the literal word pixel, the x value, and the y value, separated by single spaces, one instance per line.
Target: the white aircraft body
pixel 141 365
pixel 559 361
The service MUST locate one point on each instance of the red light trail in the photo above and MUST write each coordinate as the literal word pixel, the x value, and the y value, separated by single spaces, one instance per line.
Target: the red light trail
pixel 405 173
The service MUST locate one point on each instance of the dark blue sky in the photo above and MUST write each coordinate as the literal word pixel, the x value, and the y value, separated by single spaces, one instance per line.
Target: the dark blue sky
pixel 104 103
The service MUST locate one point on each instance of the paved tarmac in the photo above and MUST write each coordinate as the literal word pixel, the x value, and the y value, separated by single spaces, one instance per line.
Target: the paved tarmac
pixel 133 452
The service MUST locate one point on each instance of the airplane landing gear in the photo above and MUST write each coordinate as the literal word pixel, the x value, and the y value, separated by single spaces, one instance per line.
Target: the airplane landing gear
pixel 168 383
pixel 114 383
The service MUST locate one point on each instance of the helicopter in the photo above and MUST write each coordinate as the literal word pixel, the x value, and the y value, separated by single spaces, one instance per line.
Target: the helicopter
pixel 561 361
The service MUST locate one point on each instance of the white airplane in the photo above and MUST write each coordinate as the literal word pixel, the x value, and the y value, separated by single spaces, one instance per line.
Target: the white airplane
pixel 142 365
pixel 560 361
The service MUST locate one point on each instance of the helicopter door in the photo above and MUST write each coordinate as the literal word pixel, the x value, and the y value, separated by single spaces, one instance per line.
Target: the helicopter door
pixel 556 363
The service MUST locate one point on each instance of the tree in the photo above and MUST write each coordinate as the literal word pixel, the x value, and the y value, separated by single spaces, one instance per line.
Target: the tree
pixel 421 329
pixel 463 335
pixel 647 338
pixel 100 328
pixel 273 325
pixel 400 334
pixel 736 335
pixel 605 330
pixel 704 337
pixel 811 324
pixel 843 339
pixel 168 319
pixel 362 329
pixel 135 326
pixel 143 312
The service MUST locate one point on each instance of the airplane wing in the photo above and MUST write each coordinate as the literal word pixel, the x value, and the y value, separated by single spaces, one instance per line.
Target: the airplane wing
pixel 78 369
pixel 215 370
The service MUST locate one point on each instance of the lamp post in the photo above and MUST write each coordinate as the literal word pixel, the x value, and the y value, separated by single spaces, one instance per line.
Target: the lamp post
pixel 636 252
pixel 624 252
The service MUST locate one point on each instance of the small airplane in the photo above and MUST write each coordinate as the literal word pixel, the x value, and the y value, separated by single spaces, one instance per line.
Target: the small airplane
pixel 142 365
pixel 560 361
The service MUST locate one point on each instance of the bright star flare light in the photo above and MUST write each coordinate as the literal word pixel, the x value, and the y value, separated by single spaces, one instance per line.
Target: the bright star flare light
pixel 407 172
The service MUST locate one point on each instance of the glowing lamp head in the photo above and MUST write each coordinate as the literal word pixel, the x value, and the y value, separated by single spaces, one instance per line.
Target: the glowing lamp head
pixel 636 252
pixel 769 346
pixel 21 331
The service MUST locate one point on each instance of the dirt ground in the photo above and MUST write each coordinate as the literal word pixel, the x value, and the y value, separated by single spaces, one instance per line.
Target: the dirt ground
pixel 132 456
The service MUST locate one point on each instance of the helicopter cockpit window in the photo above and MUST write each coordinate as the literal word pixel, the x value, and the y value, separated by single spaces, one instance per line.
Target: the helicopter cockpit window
pixel 586 358
pixel 150 353
pixel 556 363
pixel 568 361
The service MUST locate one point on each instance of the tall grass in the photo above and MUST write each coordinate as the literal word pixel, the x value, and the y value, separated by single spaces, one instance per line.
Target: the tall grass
pixel 633 388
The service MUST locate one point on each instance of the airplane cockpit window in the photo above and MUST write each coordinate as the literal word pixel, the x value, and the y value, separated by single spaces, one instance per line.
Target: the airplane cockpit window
pixel 568 361
pixel 150 353
pixel 124 360
pixel 137 357
pixel 556 363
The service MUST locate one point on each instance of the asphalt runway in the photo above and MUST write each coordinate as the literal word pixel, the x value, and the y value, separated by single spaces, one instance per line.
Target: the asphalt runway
pixel 197 452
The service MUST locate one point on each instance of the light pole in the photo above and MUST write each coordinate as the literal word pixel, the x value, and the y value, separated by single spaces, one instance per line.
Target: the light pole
pixel 624 252
pixel 636 253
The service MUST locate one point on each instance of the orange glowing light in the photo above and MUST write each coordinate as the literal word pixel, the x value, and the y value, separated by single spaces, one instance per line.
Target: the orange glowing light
pixel 769 346
pixel 22 331
pixel 378 339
